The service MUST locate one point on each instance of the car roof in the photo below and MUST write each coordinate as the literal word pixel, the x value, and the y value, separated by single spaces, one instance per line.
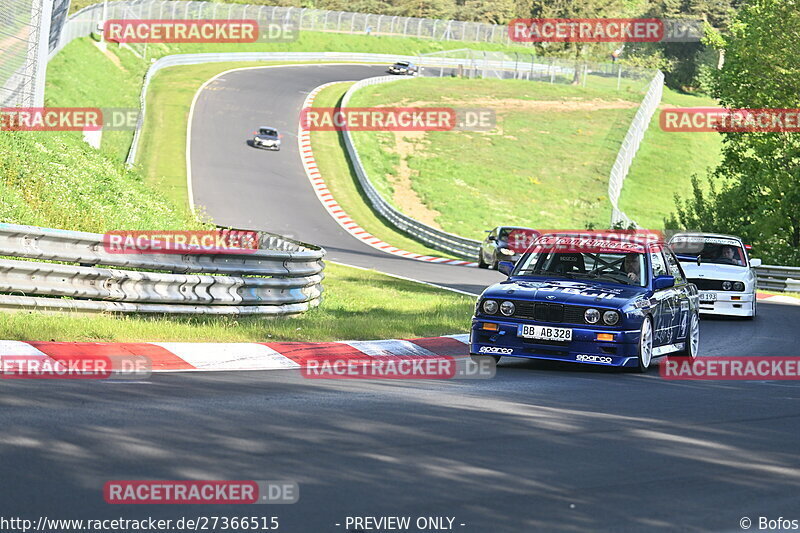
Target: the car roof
pixel 267 128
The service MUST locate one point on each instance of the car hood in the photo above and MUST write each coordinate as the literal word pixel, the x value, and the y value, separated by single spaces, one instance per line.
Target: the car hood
pixel 574 292
pixel 267 137
pixel 712 271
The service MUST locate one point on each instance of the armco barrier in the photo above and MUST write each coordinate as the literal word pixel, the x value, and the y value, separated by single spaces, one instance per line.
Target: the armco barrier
pixel 280 281
pixel 435 238
pixel 778 278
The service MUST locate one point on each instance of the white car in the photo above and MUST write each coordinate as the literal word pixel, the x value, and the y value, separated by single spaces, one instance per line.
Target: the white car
pixel 722 271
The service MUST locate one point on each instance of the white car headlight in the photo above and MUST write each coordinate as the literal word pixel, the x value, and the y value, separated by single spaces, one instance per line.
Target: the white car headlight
pixel 591 315
pixel 507 308
pixel 490 307
pixel 726 285
pixel 738 286
pixel 506 251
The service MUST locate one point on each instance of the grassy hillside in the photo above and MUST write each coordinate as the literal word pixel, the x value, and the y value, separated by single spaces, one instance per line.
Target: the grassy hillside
pixel 545 164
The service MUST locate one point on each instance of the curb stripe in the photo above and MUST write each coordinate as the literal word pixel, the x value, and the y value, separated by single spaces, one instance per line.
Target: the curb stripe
pixel 336 211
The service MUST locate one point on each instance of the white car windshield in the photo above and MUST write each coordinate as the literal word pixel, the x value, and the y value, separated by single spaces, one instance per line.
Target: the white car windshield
pixel 613 267
pixel 715 250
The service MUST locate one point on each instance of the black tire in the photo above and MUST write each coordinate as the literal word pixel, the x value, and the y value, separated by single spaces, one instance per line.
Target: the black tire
pixel 645 351
pixel 481 262
pixel 692 342
pixel 482 357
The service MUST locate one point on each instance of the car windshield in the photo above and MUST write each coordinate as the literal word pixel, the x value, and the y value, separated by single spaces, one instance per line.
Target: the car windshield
pixel 267 131
pixel 613 267
pixel 713 250
pixel 402 64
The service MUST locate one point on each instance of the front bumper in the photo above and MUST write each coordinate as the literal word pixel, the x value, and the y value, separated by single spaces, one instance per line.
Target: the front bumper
pixel 270 146
pixel 584 347
pixel 726 305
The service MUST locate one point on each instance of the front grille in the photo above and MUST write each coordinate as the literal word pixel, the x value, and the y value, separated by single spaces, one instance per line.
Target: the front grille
pixel 549 312
pixel 710 284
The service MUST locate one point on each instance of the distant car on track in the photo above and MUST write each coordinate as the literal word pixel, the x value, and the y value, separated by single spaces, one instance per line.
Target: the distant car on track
pixel 616 305
pixel 722 271
pixel 496 246
pixel 268 138
pixel 404 67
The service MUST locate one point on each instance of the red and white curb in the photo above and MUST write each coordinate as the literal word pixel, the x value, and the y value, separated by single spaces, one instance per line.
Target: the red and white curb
pixel 777 299
pixel 335 210
pixel 189 356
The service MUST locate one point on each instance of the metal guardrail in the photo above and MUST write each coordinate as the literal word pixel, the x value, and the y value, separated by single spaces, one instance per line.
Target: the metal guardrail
pixel 778 278
pixel 433 237
pixel 265 282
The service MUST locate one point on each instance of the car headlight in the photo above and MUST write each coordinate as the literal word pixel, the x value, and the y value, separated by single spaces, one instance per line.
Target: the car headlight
pixel 726 285
pixel 490 307
pixel 506 251
pixel 591 315
pixel 738 286
pixel 610 317
pixel 507 308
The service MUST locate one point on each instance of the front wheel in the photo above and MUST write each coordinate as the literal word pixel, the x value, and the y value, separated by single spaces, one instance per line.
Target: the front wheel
pixel 481 262
pixel 645 354
pixel 692 343
pixel 755 308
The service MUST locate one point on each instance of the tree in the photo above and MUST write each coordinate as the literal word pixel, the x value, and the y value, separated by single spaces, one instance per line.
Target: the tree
pixel 758 181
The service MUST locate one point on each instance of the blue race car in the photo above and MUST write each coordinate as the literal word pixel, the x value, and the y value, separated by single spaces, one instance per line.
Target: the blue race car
pixel 609 304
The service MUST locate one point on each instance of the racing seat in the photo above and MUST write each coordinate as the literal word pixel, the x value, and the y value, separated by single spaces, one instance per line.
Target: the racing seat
pixel 570 263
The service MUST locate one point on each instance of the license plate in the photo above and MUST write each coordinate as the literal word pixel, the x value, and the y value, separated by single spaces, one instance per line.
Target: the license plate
pixel 546 333
pixel 708 296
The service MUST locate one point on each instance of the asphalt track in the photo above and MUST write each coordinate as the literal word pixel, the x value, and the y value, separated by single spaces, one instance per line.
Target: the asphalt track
pixel 541 447
pixel 241 186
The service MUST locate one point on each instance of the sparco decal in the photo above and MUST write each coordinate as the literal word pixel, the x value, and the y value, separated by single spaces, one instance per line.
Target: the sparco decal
pixel 593 359
pixel 494 349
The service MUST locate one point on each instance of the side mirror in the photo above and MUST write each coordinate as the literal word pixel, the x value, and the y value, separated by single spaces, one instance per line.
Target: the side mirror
pixel 491 238
pixel 755 263
pixel 663 282
pixel 505 267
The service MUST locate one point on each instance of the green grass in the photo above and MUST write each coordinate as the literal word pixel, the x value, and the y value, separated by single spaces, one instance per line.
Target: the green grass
pixel 330 155
pixel 665 163
pixel 544 165
pixel 357 305
pixel 56 180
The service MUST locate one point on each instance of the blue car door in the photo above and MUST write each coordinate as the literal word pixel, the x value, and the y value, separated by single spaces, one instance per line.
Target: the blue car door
pixel 663 313
pixel 680 322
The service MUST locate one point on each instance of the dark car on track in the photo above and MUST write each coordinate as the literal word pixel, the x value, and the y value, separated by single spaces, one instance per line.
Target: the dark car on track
pixel 496 246
pixel 403 67
pixel 613 304
pixel 268 138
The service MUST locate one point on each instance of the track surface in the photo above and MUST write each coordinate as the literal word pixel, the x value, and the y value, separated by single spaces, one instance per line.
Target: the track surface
pixel 250 188
pixel 539 448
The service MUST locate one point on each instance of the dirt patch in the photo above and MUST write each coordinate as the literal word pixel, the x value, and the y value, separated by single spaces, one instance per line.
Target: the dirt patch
pixel 110 55
pixel 405 197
